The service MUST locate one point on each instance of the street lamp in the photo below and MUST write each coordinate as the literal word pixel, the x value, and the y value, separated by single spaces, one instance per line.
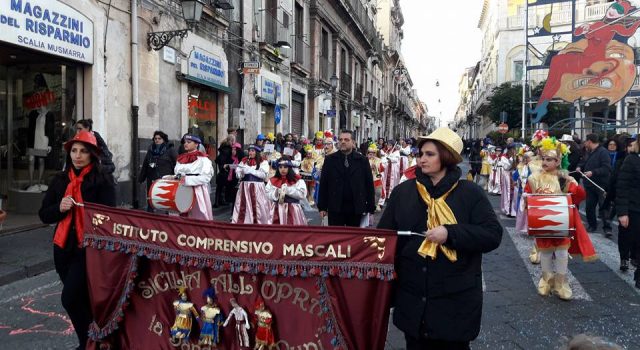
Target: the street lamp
pixel 334 86
pixel 191 12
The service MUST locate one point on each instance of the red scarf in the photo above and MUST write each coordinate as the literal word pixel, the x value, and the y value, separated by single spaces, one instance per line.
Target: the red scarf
pixel 249 161
pixel 190 157
pixel 278 181
pixel 74 191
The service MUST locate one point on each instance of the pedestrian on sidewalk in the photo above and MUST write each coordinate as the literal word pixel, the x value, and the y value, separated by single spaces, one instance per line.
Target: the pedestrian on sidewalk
pixel 554 179
pixel 439 275
pixel 628 205
pixel 285 191
pixel 159 161
pixel 346 185
pixel 596 167
pixel 84 180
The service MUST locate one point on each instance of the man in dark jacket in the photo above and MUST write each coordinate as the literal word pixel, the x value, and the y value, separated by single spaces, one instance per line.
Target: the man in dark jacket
pixel 346 185
pixel 628 203
pixel 596 167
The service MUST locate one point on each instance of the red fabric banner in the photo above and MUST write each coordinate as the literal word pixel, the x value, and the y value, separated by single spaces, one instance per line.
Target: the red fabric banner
pixel 326 287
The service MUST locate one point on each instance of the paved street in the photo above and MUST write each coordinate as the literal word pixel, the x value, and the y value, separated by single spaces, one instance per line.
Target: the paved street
pixel 515 317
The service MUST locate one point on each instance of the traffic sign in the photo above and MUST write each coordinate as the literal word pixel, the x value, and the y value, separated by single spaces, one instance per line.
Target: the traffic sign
pixel 251 67
pixel 278 114
pixel 503 128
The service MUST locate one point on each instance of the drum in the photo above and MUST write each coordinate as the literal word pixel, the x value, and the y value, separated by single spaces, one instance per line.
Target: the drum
pixel 171 195
pixel 550 216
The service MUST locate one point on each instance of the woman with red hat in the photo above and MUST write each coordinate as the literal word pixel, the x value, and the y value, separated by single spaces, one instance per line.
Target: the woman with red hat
pixel 251 205
pixel 196 170
pixel 285 191
pixel 63 204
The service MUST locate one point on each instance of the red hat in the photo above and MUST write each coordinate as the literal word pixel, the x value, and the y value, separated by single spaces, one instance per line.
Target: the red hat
pixel 85 137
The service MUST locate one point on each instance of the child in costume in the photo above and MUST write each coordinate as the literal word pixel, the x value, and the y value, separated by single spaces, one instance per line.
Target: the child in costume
pixel 194 168
pixel 506 163
pixel 496 171
pixel 377 169
pixel 520 177
pixel 285 190
pixel 306 171
pixel 485 170
pixel 252 205
pixel 552 180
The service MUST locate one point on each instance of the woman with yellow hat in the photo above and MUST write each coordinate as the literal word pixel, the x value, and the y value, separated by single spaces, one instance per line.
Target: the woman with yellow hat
pixel 440 267
pixel 553 180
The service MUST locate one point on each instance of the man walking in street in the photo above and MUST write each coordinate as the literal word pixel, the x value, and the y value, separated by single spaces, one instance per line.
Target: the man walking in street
pixel 597 168
pixel 346 186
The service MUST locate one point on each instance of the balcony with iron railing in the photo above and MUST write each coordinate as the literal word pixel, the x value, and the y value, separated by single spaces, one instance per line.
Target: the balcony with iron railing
pixel 345 83
pixel 358 93
pixel 302 53
pixel 595 12
pixel 358 11
pixel 325 72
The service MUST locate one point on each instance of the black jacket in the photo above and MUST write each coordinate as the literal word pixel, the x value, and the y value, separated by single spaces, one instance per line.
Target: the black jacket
pixel 332 182
pixel 164 164
pixel 439 299
pixel 628 191
pixel 599 163
pixel 106 157
pixel 97 187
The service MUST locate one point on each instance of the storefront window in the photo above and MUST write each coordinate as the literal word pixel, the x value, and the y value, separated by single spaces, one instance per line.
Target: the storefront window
pixel 268 122
pixel 37 109
pixel 203 116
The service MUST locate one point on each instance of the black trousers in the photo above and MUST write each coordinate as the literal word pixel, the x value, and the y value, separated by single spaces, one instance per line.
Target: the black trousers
pixel 71 266
pixel 433 344
pixel 344 219
pixel 628 239
pixel 595 198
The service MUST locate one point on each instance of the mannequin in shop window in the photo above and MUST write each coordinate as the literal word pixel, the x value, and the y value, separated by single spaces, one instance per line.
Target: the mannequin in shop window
pixel 41 130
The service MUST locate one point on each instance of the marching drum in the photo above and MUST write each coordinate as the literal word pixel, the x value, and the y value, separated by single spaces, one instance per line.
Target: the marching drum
pixel 550 216
pixel 171 195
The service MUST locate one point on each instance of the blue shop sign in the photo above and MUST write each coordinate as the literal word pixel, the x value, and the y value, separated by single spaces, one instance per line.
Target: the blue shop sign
pixel 271 91
pixel 48 26
pixel 207 67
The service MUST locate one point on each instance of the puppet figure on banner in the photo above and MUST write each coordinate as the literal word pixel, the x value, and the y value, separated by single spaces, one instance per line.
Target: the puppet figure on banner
pixel 598 65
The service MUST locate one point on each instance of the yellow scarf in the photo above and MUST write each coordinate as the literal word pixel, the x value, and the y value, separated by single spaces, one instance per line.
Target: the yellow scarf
pixel 438 213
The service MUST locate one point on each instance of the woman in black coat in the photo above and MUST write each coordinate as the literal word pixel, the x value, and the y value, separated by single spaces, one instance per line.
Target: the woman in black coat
pixel 438 302
pixel 82 181
pixel 628 203
pixel 159 161
pixel 106 157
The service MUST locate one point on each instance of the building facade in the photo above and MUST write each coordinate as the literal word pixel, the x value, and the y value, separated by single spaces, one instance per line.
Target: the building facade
pixel 137 66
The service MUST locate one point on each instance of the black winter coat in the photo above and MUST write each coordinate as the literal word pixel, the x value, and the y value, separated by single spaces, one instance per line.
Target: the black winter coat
pixel 628 191
pixel 599 163
pixel 164 164
pixel 438 299
pixel 106 157
pixel 332 182
pixel 97 187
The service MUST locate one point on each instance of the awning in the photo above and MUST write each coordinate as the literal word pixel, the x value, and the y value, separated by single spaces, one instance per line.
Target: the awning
pixel 214 86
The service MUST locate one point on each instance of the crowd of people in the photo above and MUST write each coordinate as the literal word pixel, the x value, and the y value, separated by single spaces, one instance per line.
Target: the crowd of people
pixel 418 185
pixel 606 171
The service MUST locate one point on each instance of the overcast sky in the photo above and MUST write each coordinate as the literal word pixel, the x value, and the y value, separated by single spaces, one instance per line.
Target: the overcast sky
pixel 440 40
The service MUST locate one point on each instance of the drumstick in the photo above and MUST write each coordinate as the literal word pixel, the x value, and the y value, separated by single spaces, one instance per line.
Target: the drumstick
pixel 409 233
pixel 585 177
